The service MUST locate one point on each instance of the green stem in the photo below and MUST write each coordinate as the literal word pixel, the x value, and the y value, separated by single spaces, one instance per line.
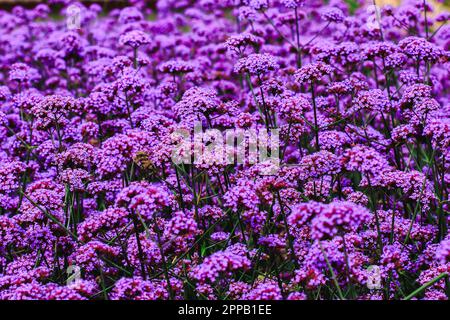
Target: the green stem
pixel 333 275
pixel 425 286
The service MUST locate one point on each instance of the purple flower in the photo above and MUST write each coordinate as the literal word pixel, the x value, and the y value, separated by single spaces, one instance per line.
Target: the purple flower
pixel 238 43
pixel 134 39
pixel 293 108
pixel 333 15
pixel 258 4
pixel 330 220
pixel 53 111
pixel 102 221
pixel 264 291
pixel 10 175
pixel 94 122
pixel 220 263
pixel 372 100
pixel 195 102
pixel 293 3
pixel 130 14
pixel 177 67
pixel 312 72
pixel 22 73
pixel 420 49
pixel 256 64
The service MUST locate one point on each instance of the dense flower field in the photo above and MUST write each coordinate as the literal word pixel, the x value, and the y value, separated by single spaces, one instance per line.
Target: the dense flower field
pixel 350 203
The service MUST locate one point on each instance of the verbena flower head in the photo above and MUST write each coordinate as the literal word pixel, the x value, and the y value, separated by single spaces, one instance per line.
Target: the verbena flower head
pixel 22 73
pixel 312 72
pixel 420 49
pixel 177 67
pixel 292 3
pixel 134 39
pixel 130 14
pixel 333 15
pixel 258 4
pixel 53 110
pixel 256 64
pixel 330 220
pixel 443 252
pixel 372 100
pixel 238 43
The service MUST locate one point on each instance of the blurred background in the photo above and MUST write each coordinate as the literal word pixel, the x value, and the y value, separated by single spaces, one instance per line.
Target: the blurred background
pixel 438 5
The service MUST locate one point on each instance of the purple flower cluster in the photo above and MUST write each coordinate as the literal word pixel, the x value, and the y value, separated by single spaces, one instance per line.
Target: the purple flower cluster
pixel 330 220
pixel 94 203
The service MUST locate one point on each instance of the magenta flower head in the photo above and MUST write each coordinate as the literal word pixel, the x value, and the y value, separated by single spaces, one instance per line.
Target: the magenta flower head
pixel 292 4
pixel 22 73
pixel 258 4
pixel 220 263
pixel 330 220
pixel 232 149
pixel 134 39
pixel 41 11
pixel 238 43
pixel 413 94
pixel 293 109
pixel 443 251
pixel 264 291
pixel 256 64
pixel 318 164
pixel 312 72
pixel 102 222
pixel 177 67
pixel 5 93
pixel 53 110
pixel 130 15
pixel 195 102
pixel 333 15
pixel 3 119
pixel 371 100
pixel 10 175
pixel 420 49
pixel 75 179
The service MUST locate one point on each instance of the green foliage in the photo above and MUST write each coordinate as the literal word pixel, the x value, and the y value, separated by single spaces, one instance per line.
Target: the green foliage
pixel 352 5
